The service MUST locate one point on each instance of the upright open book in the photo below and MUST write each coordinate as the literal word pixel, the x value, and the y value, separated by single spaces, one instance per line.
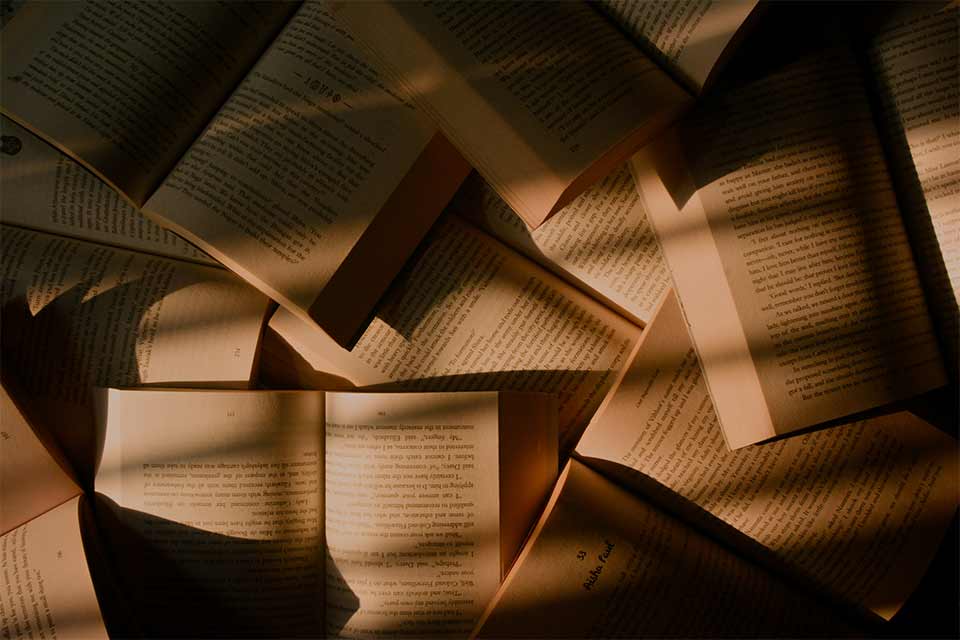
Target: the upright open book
pixel 257 131
pixel 278 513
pixel 806 244
pixel 546 99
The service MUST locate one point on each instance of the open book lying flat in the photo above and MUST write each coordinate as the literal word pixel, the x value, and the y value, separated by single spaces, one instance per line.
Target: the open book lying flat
pixel 806 245
pixel 545 99
pixel 256 130
pixel 656 528
pixel 287 513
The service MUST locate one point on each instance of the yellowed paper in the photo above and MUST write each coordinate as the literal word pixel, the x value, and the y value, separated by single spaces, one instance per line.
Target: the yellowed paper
pixel 125 92
pixel 796 207
pixel 296 164
pixel 46 190
pixel 858 508
pixel 412 512
pixel 31 479
pixel 602 563
pixel 601 243
pixel 218 498
pixel 45 585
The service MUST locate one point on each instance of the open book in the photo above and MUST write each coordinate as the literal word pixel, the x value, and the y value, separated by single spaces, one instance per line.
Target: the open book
pixel 545 99
pixel 79 314
pixel 293 513
pixel 792 239
pixel 854 513
pixel 257 131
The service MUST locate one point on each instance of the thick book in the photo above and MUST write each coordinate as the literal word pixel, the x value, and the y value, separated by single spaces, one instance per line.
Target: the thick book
pixel 813 253
pixel 256 131
pixel 545 99
pixel 273 513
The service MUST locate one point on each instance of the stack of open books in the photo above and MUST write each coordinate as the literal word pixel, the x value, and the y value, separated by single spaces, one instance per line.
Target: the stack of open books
pixel 676 359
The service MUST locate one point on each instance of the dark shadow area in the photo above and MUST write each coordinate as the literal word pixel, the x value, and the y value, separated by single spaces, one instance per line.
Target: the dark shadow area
pixel 933 610
pixel 182 581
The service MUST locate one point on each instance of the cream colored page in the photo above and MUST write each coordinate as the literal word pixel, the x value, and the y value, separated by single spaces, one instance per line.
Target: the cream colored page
pixel 468 315
pixel 226 487
pixel 859 508
pixel 799 203
pixel 31 481
pixel 687 37
pixel 296 164
pixel 126 88
pixel 78 315
pixel 601 242
pixel 45 585
pixel 914 66
pixel 46 190
pixel 531 94
pixel 412 512
pixel 603 563
pixel 691 254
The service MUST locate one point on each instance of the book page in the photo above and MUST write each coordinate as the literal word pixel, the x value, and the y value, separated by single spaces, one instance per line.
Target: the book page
pixel 603 563
pixel 601 242
pixel 794 212
pixel 469 314
pixel 914 69
pixel 687 38
pixel 859 508
pixel 32 479
pixel 214 509
pixel 542 99
pixel 46 190
pixel 45 585
pixel 78 315
pixel 296 166
pixel 412 512
pixel 126 89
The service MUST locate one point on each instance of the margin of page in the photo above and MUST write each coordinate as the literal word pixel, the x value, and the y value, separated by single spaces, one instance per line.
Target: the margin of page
pixel 695 266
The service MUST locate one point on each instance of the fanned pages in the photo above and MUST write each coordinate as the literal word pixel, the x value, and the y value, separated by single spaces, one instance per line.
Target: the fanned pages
pixel 858 509
pixel 777 218
pixel 78 314
pixel 46 190
pixel 543 99
pixel 470 314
